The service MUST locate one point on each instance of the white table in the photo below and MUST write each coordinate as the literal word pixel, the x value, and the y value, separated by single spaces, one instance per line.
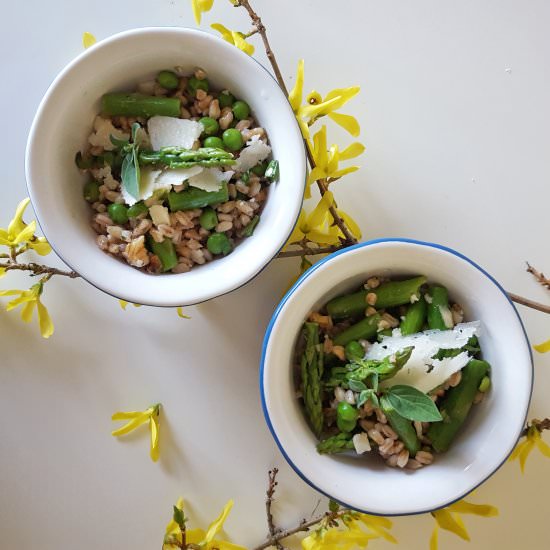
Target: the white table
pixel 455 116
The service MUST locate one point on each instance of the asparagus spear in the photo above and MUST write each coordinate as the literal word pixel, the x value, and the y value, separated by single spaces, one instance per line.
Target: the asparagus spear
pixel 414 318
pixel 165 251
pixel 402 427
pixel 312 372
pixel 192 197
pixel 363 329
pixel 177 157
pixel 439 314
pixel 117 104
pixel 390 294
pixel 457 404
pixel 336 444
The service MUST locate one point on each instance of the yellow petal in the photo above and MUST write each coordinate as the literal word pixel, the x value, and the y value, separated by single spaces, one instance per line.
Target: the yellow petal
pixel 123 304
pixel 88 39
pixel 324 237
pixel 181 314
pixel 41 246
pixel 320 147
pixel 319 109
pixel 241 43
pixel 351 223
pixel 199 7
pixel 544 347
pixel 543 447
pixel 155 428
pixel 216 526
pixel 225 545
pixel 44 320
pixel 348 122
pixel 295 96
pixel 316 174
pixel 464 507
pixel 132 425
pixel 224 31
pixel 516 452
pixel 126 415
pixel 352 151
pixel 25 297
pixel 17 225
pixel 26 234
pixel 318 215
pixel 343 94
pixel 344 171
pixel 379 524
pixel 524 453
pixel 433 539
pixel 194 536
pixel 27 311
pixel 333 159
pixel 446 521
pixel 2 271
pixel 10 292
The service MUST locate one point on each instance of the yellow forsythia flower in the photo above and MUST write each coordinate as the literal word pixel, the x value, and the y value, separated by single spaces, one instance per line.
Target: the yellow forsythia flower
pixel 316 106
pixel 544 347
pixel 234 37
pixel 30 300
pixel 199 7
pixel 449 519
pixel 205 540
pixel 326 162
pixel 379 525
pixel 523 450
pixel 181 314
pixel 136 419
pixel 88 39
pixel 124 303
pixel 19 233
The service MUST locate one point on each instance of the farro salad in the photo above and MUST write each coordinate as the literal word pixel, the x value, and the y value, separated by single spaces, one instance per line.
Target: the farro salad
pixel 392 369
pixel 178 173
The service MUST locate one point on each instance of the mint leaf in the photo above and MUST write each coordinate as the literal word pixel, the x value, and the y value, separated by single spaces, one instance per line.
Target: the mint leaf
pixel 412 404
pixel 130 174
pixel 356 385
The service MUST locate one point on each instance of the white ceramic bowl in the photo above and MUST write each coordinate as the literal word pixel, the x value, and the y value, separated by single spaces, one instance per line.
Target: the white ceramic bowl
pixel 64 121
pixel 489 434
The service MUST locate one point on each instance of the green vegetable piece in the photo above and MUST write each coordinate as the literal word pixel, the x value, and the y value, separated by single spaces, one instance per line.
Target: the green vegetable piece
pixel 241 110
pixel 485 384
pixel 401 426
pixel 195 84
pixel 390 294
pixel 438 308
pixel 119 104
pixel 311 367
pixel 165 251
pixel 91 191
pixel 259 169
pixel 386 332
pixel 346 425
pixel 226 99
pixel 245 178
pixel 414 318
pixel 178 157
pixel 249 229
pixel 118 213
pixel 272 171
pixel 412 404
pixel 211 125
pixel 106 159
pixel 388 368
pixel 208 219
pixel 456 405
pixel 168 80
pixel 354 351
pixel 336 444
pixel 137 209
pixel 213 142
pixel 192 198
pixel 219 243
pixel 345 411
pixel 232 139
pixel 365 328
pixel 83 163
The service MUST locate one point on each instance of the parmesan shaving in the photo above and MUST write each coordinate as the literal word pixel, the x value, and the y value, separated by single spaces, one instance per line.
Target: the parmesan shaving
pixel 255 152
pixel 210 179
pixel 166 131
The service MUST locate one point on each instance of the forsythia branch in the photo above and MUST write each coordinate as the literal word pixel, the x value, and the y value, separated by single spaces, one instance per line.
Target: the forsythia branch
pixel 37 269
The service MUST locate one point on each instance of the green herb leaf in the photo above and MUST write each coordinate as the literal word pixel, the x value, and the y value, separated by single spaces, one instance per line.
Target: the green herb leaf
pixel 272 171
pixel 249 229
pixel 412 404
pixel 130 174
pixel 356 385
pixel 365 395
pixel 136 137
pixel 119 143
pixel 179 517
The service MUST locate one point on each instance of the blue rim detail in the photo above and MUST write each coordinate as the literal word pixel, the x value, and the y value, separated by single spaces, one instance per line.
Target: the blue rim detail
pixel 293 289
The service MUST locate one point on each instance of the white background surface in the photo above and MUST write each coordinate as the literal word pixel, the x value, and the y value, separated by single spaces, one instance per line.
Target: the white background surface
pixel 455 115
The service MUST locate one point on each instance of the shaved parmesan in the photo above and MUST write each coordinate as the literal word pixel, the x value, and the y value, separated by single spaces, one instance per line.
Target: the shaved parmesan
pixel 166 131
pixel 255 152
pixel 210 179
pixel 159 215
pixel 361 443
pixel 421 371
pixel 176 176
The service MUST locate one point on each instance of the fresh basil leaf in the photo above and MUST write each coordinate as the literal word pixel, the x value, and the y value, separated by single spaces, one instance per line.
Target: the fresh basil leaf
pixel 130 174
pixel 412 404
pixel 356 385
pixel 120 143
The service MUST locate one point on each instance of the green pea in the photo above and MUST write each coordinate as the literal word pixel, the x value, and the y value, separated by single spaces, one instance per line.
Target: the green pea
pixel 137 209
pixel 241 110
pixel 91 191
pixel 218 243
pixel 354 351
pixel 346 412
pixel 232 139
pixel 213 141
pixel 346 425
pixel 168 80
pixel 83 162
pixel 259 169
pixel 208 219
pixel 226 99
pixel 485 384
pixel 195 84
pixel 211 126
pixel 118 213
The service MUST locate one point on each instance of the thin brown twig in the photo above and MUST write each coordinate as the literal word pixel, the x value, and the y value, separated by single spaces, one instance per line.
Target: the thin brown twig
pixel 539 276
pixel 539 424
pixel 269 497
pixel 312 251
pixel 529 303
pixel 38 269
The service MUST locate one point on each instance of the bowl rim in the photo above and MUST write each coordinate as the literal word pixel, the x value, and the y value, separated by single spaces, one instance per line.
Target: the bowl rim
pixel 296 286
pixel 105 43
